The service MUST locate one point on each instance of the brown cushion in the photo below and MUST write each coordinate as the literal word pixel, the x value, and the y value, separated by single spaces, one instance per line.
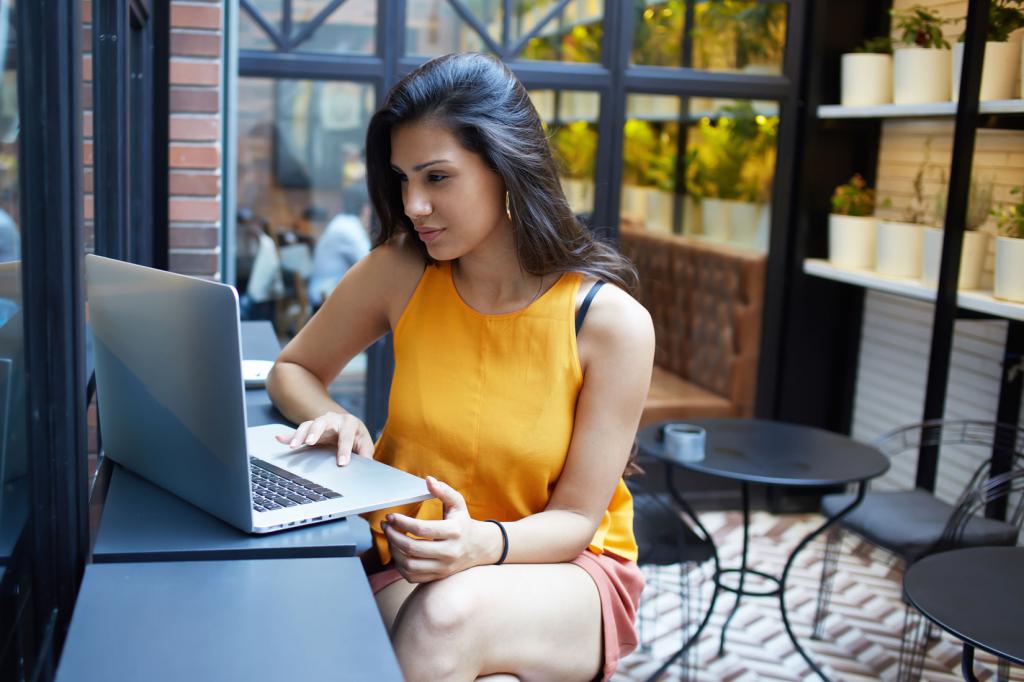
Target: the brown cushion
pixel 672 397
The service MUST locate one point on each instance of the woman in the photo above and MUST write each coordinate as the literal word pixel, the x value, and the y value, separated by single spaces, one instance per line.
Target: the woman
pixel 521 423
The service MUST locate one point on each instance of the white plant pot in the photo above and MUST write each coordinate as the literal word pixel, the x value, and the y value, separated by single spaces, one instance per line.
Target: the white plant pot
pixel 1009 281
pixel 898 249
pixel 998 75
pixel 634 202
pixel 920 75
pixel 744 222
pixel 659 211
pixel 851 240
pixel 579 192
pixel 866 79
pixel 972 258
pixel 716 219
pixel 692 218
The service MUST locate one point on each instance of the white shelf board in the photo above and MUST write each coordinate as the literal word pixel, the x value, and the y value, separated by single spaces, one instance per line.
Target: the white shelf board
pixel 933 109
pixel 978 301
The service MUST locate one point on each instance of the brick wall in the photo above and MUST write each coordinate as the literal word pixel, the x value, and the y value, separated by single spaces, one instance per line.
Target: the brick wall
pixel 195 144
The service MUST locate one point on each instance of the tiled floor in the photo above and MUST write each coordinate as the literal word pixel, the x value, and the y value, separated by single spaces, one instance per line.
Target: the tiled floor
pixel 862 633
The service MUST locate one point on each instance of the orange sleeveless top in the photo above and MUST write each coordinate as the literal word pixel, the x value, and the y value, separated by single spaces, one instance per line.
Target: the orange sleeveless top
pixel 486 403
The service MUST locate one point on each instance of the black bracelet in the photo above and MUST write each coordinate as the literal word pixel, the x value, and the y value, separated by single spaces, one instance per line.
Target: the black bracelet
pixel 504 541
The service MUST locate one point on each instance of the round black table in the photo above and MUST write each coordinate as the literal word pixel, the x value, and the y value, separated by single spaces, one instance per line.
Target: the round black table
pixel 768 453
pixel 976 595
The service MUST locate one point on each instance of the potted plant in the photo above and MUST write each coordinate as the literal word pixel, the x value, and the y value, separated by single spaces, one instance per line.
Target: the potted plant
pixel 575 145
pixel 1009 275
pixel 898 243
pixel 726 171
pixel 866 74
pixel 852 225
pixel 747 36
pixel 921 62
pixel 975 246
pixel 1002 58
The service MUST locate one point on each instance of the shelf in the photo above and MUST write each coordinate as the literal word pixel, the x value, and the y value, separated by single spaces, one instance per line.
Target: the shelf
pixel 978 301
pixel 930 110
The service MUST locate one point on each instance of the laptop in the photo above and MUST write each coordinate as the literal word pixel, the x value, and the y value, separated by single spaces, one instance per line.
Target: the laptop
pixel 168 357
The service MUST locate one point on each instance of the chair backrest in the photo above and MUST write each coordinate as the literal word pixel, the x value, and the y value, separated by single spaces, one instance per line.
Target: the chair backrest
pixel 1007 438
pixel 992 489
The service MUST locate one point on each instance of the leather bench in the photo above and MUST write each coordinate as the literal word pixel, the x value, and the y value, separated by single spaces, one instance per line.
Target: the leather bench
pixel 706 301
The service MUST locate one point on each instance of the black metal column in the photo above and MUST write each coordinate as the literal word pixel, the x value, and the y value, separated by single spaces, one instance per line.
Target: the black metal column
pixel 50 173
pixel 111 147
pixel 953 236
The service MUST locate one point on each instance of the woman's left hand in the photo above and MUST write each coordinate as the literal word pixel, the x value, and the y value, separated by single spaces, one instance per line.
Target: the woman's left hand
pixel 454 544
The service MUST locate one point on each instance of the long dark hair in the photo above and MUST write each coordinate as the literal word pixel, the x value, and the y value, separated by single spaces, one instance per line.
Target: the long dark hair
pixel 487 109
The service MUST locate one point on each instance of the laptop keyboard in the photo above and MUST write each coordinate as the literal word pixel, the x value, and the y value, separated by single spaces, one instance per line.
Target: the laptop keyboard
pixel 276 488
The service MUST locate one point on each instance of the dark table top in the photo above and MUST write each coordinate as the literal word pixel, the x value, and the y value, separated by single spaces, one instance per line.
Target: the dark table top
pixel 273 619
pixel 259 342
pixel 143 522
pixel 774 453
pixel 975 594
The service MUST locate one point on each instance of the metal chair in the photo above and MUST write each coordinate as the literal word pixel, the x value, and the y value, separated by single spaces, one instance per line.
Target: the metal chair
pixel 665 532
pixel 912 524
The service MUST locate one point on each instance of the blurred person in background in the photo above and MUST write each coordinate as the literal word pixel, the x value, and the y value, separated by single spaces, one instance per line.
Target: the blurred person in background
pixel 344 241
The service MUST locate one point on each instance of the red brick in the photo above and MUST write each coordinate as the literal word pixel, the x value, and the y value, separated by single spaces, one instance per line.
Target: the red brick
pixel 193 16
pixel 191 263
pixel 87 124
pixel 194 73
pixel 87 68
pixel 86 12
pixel 195 44
pixel 87 153
pixel 195 128
pixel 194 210
pixel 86 95
pixel 182 156
pixel 86 37
pixel 194 237
pixel 194 184
pixel 87 181
pixel 88 207
pixel 194 100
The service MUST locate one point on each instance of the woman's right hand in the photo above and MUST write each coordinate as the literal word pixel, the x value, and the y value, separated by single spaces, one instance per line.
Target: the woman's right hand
pixel 347 431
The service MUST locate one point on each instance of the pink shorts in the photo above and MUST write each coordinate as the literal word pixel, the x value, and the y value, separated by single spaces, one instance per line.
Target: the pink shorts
pixel 619 583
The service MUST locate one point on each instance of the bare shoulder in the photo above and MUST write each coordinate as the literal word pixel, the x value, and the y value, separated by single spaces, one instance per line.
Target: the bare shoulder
pixel 395 268
pixel 615 325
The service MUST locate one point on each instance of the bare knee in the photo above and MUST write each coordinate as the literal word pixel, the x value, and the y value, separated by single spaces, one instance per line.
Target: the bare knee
pixel 434 632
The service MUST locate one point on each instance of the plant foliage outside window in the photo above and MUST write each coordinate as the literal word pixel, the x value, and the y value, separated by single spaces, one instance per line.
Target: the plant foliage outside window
pixel 733 155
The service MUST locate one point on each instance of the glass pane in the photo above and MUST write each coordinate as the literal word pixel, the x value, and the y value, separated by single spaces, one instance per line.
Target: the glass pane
pixel 727 167
pixel 570 119
pixel 303 210
pixel 726 35
pixel 251 35
pixel 650 155
pixel 573 36
pixel 13 455
pixel 351 28
pixel 434 28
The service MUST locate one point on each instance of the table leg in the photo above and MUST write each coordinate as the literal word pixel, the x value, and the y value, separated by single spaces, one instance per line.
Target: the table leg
pixel 688 510
pixel 861 489
pixel 743 566
pixel 967 663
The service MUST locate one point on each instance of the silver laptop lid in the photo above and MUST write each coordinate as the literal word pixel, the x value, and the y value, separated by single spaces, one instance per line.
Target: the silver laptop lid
pixel 169 382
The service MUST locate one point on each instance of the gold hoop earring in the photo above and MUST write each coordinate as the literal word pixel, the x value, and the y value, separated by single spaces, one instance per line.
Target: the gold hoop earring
pixel 508 208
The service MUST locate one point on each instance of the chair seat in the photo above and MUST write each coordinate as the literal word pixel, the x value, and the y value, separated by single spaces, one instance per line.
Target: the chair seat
pixel 663 538
pixel 910 522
